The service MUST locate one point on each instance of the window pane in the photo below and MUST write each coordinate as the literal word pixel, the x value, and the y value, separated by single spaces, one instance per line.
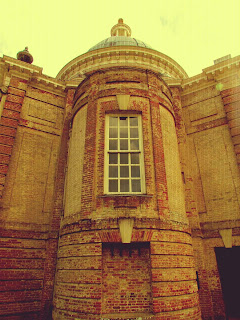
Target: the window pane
pixel 113 121
pixel 124 171
pixel 134 133
pixel 123 144
pixel 124 158
pixel 133 121
pixel 123 132
pixel 113 158
pixel 123 154
pixel 113 144
pixel 113 185
pixel 134 144
pixel 123 121
pixel 124 185
pixel 135 171
pixel 135 158
pixel 113 132
pixel 136 186
pixel 113 171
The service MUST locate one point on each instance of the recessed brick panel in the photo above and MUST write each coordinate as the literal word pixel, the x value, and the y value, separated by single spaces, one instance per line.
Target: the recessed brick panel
pixel 126 279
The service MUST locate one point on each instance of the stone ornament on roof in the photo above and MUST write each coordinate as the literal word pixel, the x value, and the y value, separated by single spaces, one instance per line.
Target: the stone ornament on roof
pixel 25 56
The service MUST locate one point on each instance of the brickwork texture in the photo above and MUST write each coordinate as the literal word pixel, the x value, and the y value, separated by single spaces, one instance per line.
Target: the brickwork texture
pixel 62 252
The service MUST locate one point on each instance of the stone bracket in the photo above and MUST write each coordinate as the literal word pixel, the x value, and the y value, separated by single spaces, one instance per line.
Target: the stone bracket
pixel 226 235
pixel 123 101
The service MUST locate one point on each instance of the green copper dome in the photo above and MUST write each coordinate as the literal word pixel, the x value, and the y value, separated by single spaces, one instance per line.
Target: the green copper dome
pixel 119 41
pixel 120 36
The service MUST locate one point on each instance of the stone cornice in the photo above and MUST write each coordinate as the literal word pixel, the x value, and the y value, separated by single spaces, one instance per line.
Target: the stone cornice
pixel 212 75
pixel 130 56
pixel 51 83
pixel 173 82
pixel 21 66
pixel 31 73
pixel 221 67
pixel 74 222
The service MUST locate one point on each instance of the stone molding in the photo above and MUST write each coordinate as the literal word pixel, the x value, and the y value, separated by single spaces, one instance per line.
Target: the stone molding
pixel 31 73
pixel 128 56
pixel 213 75
pixel 76 224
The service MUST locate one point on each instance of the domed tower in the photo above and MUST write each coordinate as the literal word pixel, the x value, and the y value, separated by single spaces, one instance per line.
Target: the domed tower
pixel 125 248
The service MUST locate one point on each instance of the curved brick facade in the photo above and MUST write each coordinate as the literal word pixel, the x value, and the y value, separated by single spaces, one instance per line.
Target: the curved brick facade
pixel 72 246
pixel 98 276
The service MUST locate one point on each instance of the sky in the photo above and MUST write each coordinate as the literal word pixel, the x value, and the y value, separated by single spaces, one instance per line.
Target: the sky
pixel 192 32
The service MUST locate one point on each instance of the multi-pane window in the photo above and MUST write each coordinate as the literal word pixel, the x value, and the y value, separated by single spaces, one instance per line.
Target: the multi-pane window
pixel 124 163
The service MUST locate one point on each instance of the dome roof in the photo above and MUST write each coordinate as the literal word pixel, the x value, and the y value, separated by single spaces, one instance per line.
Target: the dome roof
pixel 120 36
pixel 120 50
pixel 119 41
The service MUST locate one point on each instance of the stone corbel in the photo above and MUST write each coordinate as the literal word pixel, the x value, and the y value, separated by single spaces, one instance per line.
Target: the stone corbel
pixel 226 235
pixel 3 90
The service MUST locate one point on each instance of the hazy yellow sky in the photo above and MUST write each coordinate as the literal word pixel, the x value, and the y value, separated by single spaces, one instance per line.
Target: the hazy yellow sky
pixel 194 33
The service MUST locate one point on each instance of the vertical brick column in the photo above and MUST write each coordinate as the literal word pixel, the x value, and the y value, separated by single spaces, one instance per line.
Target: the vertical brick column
pixel 8 124
pixel 88 192
pixel 159 162
pixel 190 201
pixel 231 101
pixel 203 268
pixel 173 276
pixel 191 208
pixel 158 149
pixel 52 242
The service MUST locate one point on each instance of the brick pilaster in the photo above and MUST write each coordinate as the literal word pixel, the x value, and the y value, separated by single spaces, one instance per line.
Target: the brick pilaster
pixel 231 101
pixel 52 242
pixel 8 125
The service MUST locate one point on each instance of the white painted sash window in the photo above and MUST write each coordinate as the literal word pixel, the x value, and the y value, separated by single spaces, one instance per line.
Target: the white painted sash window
pixel 124 165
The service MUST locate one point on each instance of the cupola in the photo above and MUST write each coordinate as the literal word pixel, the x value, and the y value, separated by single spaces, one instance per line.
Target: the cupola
pixel 121 29
pixel 120 36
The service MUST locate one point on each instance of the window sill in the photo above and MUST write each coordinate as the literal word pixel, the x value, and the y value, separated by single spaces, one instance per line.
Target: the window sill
pixel 125 195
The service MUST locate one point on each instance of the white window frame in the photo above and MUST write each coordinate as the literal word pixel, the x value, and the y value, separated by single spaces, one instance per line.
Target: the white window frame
pixel 139 151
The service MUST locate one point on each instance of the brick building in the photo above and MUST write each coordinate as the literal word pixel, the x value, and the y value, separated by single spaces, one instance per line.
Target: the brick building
pixel 119 187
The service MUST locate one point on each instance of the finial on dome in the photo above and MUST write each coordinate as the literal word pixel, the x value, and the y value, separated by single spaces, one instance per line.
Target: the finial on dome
pixel 121 29
pixel 25 56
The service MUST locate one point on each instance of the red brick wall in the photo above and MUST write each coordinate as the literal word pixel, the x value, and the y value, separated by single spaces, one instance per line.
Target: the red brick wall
pixel 89 279
pixel 163 281
pixel 22 253
pixel 8 125
pixel 142 101
pixel 27 249
pixel 126 279
pixel 203 268
pixel 78 276
pixel 22 258
pixel 214 282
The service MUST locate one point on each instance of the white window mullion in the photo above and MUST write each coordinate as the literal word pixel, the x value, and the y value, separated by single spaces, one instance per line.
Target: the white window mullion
pixel 130 174
pixel 115 123
pixel 118 172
